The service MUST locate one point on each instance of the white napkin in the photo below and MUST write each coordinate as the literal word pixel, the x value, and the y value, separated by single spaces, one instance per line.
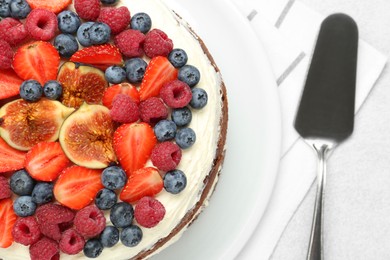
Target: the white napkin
pixel 288 30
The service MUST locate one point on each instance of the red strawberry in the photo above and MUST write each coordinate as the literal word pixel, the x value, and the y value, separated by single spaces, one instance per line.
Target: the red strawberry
pixel 9 83
pixel 158 72
pixel 55 6
pixel 45 161
pixel 7 221
pixel 100 56
pixel 122 88
pixel 133 145
pixel 143 182
pixel 38 60
pixel 77 186
pixel 10 158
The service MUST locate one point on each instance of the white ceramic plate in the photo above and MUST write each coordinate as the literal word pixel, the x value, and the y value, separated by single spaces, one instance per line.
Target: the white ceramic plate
pixel 254 134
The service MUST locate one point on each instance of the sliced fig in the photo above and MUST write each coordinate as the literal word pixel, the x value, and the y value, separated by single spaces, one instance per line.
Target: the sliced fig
pixel 80 84
pixel 86 137
pixel 24 124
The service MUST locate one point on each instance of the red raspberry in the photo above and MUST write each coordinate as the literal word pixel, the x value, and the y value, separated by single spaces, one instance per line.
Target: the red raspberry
pixel 12 31
pixel 41 24
pixel 157 43
pixel 117 18
pixel 166 156
pixel 71 242
pixel 90 221
pixel 130 43
pixel 149 212
pixel 5 191
pixel 124 109
pixel 45 248
pixel 6 55
pixel 26 231
pixel 153 110
pixel 87 9
pixel 176 94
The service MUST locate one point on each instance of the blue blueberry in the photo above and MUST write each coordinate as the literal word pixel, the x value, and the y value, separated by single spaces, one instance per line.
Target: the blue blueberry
pixel 68 21
pixel 178 58
pixel 131 236
pixel 122 214
pixel 185 138
pixel 110 236
pixel 31 90
pixel 175 181
pixel 165 130
pixel 43 192
pixel 19 9
pixel 105 199
pixel 24 206
pixel 108 2
pixel 66 45
pixel 22 183
pixel 52 89
pixel 181 116
pixel 113 177
pixel 115 74
pixel 141 22
pixel 189 74
pixel 99 33
pixel 4 8
pixel 93 248
pixel 199 98
pixel 83 34
pixel 135 69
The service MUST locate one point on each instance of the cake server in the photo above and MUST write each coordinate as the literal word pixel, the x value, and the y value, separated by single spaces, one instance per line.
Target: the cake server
pixel 325 115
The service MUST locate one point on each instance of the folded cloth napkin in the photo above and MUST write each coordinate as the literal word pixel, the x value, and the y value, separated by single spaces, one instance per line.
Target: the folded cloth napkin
pixel 288 30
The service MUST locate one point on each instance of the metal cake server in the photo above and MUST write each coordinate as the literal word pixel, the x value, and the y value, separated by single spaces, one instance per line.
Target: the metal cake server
pixel 325 115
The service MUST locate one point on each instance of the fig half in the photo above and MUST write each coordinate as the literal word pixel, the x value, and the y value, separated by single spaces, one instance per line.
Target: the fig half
pixel 86 137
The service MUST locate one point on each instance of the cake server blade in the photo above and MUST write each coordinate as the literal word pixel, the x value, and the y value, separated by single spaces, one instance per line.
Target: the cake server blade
pixel 325 116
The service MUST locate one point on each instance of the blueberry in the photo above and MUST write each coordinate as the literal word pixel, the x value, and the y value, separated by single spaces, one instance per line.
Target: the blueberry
pixel 22 183
pixel 131 236
pixel 122 214
pixel 110 236
pixel 189 74
pixel 175 181
pixel 99 33
pixel 83 34
pixel 115 74
pixel 31 90
pixel 165 130
pixel 43 192
pixel 66 45
pixel 52 89
pixel 108 2
pixel 93 248
pixel 113 177
pixel 141 22
pixel 68 21
pixel 199 98
pixel 185 138
pixel 178 58
pixel 105 199
pixel 24 206
pixel 4 8
pixel 181 116
pixel 19 9
pixel 135 69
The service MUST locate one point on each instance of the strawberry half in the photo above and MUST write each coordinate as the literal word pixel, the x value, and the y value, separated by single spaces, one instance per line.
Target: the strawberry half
pixel 10 158
pixel 9 83
pixel 38 60
pixel 55 6
pixel 158 72
pixel 99 56
pixel 122 88
pixel 45 161
pixel 7 222
pixel 133 145
pixel 77 186
pixel 143 182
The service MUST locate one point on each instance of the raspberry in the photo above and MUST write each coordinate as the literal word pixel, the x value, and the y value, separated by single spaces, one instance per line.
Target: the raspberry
pixel 130 43
pixel 153 110
pixel 12 31
pixel 71 242
pixel 117 18
pixel 176 94
pixel 41 24
pixel 90 221
pixel 45 248
pixel 166 156
pixel 87 9
pixel 26 231
pixel 124 109
pixel 157 43
pixel 5 190
pixel 6 55
pixel 149 212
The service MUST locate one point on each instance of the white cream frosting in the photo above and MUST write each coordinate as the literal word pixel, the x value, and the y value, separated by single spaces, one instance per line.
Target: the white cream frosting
pixel 196 161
